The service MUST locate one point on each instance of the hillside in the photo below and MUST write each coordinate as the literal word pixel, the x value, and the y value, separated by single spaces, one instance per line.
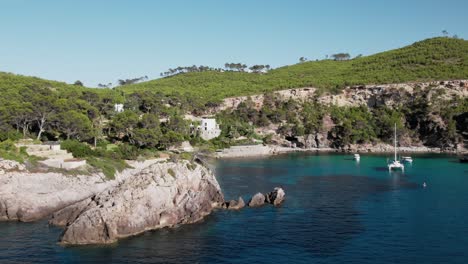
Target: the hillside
pixel 14 84
pixel 9 81
pixel 431 59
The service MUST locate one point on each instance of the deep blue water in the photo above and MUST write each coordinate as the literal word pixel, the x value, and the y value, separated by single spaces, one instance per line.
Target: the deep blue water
pixel 336 211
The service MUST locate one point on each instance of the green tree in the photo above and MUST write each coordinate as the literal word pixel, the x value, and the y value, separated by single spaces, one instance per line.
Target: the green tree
pixel 123 124
pixel 75 125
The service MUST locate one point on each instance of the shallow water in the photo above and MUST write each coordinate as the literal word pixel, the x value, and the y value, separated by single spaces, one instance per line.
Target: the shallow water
pixel 336 211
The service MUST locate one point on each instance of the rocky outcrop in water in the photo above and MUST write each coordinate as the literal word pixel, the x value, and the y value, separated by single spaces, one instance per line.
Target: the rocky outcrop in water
pixel 276 197
pixel 257 200
pixel 162 195
pixel 234 205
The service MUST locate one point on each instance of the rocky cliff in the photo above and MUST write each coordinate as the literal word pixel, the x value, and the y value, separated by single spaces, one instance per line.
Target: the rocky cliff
pixel 28 196
pixel 431 115
pixel 162 195
pixel 368 95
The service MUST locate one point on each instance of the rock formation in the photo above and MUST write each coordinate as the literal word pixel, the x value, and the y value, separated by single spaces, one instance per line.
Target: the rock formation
pixel 366 95
pixel 10 165
pixel 234 205
pixel 257 200
pixel 276 197
pixel 162 195
pixel 28 196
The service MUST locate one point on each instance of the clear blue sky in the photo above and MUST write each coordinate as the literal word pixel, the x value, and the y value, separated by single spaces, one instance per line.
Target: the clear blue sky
pixel 102 41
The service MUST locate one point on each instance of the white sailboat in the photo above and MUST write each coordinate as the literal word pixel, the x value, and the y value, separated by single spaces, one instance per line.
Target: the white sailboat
pixel 357 157
pixel 396 164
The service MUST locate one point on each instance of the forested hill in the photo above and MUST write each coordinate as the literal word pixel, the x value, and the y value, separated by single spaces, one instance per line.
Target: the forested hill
pixel 9 81
pixel 431 59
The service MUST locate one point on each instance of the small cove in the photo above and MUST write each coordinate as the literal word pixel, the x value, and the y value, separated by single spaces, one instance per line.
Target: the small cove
pixel 336 211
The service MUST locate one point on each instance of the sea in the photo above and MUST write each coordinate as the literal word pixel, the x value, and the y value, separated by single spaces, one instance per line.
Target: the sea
pixel 336 210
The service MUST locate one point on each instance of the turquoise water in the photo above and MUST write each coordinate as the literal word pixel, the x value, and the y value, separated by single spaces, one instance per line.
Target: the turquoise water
pixel 336 211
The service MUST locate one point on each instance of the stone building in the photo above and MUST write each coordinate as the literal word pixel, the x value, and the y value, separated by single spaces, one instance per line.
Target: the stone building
pixel 209 129
pixel 119 108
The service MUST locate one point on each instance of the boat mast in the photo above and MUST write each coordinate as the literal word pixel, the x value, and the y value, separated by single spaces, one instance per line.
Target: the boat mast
pixel 395 143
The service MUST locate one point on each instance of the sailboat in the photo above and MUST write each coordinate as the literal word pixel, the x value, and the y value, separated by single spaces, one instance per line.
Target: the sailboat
pixel 396 164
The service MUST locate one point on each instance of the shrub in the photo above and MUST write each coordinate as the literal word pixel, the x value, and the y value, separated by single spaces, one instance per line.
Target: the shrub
pixel 191 166
pixel 9 151
pixel 10 134
pixel 186 156
pixel 128 152
pixel 171 172
pixel 108 166
pixel 78 149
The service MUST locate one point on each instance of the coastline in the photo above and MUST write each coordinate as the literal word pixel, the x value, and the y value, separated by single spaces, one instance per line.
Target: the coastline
pixel 271 150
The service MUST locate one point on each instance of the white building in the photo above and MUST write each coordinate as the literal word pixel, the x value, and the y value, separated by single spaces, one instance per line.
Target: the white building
pixel 209 129
pixel 118 108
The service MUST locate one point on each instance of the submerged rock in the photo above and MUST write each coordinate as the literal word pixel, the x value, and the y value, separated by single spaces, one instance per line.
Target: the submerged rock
pixel 162 195
pixel 257 200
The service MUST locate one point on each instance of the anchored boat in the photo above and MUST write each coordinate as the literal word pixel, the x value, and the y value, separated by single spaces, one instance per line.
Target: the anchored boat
pixel 357 157
pixel 396 164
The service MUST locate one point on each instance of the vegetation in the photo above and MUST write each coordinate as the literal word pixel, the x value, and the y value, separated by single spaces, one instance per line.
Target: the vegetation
pixel 171 172
pixel 431 59
pixel 436 123
pixel 86 122
pixel 9 151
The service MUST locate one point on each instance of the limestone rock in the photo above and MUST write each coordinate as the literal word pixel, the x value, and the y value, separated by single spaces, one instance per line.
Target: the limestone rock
pixel 257 200
pixel 235 205
pixel 276 197
pixel 162 195
pixel 32 196
pixel 11 165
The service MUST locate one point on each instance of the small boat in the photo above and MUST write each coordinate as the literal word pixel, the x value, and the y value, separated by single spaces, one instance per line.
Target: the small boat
pixel 406 159
pixel 395 164
pixel 357 157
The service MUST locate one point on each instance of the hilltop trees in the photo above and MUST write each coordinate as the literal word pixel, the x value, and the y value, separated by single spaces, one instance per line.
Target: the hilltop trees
pixel 341 56
pixel 132 81
pixel 109 85
pixel 235 67
pixel 240 67
pixel 260 68
pixel 78 83
pixel 186 69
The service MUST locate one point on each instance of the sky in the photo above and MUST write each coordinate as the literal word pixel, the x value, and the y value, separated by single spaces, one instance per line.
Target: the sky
pixel 103 41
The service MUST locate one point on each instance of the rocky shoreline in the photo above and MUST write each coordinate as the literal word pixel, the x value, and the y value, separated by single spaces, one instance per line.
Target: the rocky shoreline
pixel 151 195
pixel 269 150
pixel 162 195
